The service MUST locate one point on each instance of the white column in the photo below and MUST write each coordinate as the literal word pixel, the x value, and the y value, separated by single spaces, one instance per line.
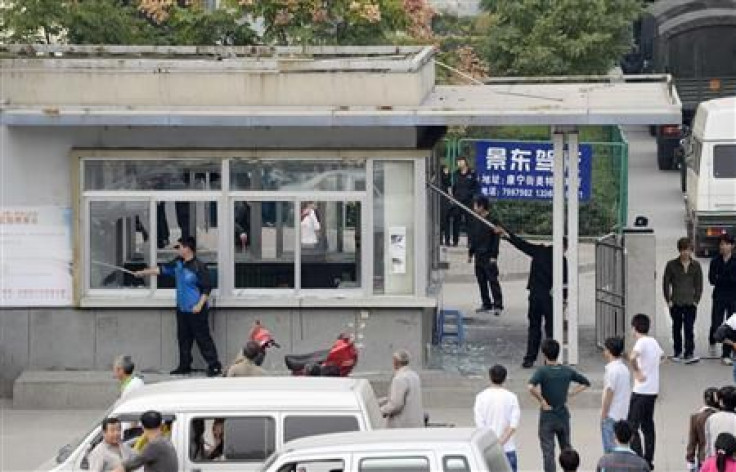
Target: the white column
pixel 572 250
pixel 558 232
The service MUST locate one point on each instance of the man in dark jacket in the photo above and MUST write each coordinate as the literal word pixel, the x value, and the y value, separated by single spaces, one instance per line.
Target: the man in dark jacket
pixel 540 291
pixel 682 285
pixel 722 275
pixel 483 247
pixel 464 188
pixel 445 205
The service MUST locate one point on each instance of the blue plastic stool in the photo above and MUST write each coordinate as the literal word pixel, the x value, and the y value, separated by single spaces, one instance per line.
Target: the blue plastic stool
pixel 452 319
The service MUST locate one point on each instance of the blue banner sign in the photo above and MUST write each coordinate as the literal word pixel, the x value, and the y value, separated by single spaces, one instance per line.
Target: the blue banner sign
pixel 510 170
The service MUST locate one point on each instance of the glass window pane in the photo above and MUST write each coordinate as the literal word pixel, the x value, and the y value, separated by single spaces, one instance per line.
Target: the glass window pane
pixel 296 427
pixel 455 464
pixel 143 174
pixel 395 464
pixel 297 175
pixel 330 244
pixel 119 237
pixel 249 439
pixel 177 219
pixel 264 238
pixel 393 227
pixel 724 161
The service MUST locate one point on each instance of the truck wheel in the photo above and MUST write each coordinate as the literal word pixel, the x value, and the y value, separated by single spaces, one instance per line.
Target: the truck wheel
pixel 664 162
pixel 683 178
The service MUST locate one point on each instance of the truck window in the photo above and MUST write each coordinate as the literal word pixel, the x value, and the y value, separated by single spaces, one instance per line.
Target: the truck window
pixel 395 464
pixel 296 427
pixel 232 439
pixel 455 464
pixel 724 161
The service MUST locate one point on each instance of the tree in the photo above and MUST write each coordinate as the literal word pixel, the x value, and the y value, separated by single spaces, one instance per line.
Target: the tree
pixel 107 22
pixel 558 37
pixel 32 21
pixel 337 22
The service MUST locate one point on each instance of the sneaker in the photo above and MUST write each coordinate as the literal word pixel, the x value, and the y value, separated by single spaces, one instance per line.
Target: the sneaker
pixel 214 372
pixel 691 359
pixel 483 309
pixel 527 364
pixel 726 361
pixel 676 358
pixel 712 350
pixel 181 371
pixel 498 310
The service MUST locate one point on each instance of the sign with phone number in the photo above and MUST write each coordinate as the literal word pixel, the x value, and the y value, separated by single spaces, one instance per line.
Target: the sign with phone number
pixel 510 170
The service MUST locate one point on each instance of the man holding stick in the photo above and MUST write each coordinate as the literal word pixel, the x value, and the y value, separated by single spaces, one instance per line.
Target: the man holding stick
pixel 192 311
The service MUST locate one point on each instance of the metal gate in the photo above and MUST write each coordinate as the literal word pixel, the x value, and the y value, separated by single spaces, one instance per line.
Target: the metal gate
pixel 610 288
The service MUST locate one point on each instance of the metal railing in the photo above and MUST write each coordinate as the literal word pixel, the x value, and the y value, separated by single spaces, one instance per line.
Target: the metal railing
pixel 610 288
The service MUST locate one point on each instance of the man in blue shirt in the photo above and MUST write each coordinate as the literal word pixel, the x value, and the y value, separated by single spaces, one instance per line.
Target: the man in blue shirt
pixel 193 289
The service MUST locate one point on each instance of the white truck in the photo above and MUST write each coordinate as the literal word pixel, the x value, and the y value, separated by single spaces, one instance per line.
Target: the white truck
pixel 709 175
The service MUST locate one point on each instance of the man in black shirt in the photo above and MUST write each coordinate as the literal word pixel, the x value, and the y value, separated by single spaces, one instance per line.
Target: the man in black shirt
pixel 464 188
pixel 540 291
pixel 483 247
pixel 722 275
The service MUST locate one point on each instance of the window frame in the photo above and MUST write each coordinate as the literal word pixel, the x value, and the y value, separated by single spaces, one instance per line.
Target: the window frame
pixel 429 456
pixel 225 464
pixel 226 295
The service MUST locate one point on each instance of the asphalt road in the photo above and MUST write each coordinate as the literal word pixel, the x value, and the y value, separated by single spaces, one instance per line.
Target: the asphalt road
pixel 29 438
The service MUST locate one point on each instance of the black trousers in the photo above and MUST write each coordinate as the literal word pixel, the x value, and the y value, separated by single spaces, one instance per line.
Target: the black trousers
pixel 459 218
pixel 720 312
pixel 445 224
pixel 486 273
pixel 540 308
pixel 190 328
pixel 641 416
pixel 551 426
pixel 683 319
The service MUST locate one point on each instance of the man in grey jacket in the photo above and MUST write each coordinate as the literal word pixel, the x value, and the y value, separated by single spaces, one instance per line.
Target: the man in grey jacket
pixel 403 406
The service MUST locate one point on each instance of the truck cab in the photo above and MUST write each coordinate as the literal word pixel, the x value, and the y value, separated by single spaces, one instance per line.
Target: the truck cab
pixel 710 174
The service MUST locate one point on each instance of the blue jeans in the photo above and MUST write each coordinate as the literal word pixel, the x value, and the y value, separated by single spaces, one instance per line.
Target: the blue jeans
pixel 511 456
pixel 607 434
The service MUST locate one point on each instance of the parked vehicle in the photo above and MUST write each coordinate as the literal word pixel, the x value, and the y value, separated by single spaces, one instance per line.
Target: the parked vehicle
pixel 338 361
pixel 258 415
pixel 710 174
pixel 694 41
pixel 415 450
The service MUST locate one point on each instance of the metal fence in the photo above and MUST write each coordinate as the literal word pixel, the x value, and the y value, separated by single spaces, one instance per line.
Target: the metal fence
pixel 610 288
pixel 605 212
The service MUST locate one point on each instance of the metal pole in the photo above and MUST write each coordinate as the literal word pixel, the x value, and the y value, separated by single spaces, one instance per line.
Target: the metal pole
pixel 573 197
pixel 458 203
pixel 558 232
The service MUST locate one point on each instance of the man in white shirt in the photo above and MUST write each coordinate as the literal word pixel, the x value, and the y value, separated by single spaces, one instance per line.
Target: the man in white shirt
pixel 122 370
pixel 616 391
pixel 645 359
pixel 498 409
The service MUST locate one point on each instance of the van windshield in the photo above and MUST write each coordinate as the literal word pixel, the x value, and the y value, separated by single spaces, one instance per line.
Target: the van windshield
pixel 724 161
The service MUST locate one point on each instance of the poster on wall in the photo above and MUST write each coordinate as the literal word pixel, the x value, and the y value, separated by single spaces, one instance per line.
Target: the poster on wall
pixel 397 249
pixel 35 256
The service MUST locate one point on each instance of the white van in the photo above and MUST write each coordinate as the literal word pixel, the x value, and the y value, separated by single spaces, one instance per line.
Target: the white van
pixel 394 450
pixel 710 174
pixel 257 414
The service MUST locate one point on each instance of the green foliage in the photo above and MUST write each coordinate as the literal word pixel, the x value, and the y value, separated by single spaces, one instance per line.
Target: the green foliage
pixel 120 22
pixel 560 37
pixel 32 21
pixel 106 22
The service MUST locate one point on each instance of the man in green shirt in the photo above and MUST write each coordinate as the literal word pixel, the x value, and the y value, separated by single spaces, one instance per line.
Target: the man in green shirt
pixel 549 386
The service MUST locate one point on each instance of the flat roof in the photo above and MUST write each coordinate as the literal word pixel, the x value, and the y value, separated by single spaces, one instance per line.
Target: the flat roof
pixel 624 101
pixel 397 438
